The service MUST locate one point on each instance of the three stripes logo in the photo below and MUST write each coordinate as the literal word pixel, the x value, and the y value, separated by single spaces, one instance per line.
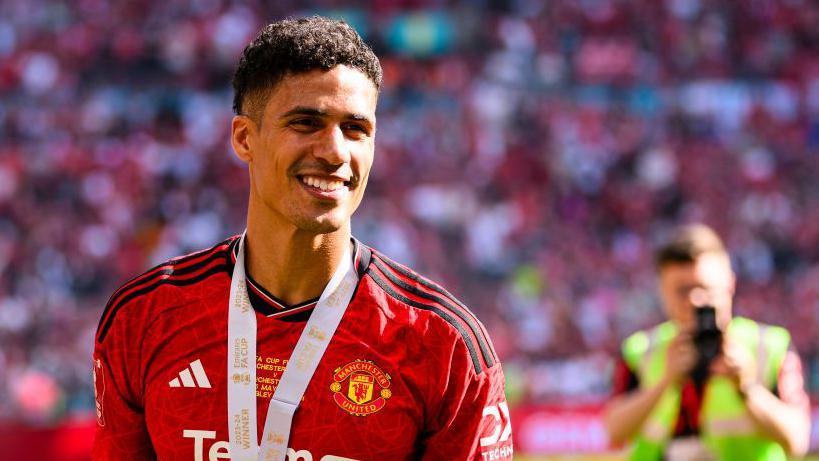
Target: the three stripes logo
pixel 197 379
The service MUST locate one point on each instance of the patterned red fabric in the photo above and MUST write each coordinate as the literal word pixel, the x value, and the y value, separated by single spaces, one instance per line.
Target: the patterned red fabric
pixel 408 375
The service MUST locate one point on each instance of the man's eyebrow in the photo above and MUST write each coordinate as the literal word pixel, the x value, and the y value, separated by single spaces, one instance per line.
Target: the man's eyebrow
pixel 359 118
pixel 312 111
pixel 302 110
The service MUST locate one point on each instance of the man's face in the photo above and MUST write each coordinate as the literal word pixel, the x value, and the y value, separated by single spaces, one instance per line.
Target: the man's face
pixel 310 156
pixel 708 280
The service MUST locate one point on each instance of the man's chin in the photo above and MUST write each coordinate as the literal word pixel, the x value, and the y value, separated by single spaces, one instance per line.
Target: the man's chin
pixel 321 224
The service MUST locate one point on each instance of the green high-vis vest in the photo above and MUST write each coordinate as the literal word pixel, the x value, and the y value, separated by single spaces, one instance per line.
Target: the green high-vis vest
pixel 726 428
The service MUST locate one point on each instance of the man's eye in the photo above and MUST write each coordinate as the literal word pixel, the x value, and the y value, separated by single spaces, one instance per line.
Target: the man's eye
pixel 304 123
pixel 356 128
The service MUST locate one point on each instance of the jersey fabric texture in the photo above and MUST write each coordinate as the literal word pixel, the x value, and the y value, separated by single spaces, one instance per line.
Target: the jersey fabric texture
pixel 409 374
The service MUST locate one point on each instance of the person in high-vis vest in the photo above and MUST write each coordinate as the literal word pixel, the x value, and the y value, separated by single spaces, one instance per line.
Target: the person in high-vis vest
pixel 750 406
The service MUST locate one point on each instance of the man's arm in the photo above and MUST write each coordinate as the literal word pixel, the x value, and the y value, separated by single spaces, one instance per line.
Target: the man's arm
pixel 625 415
pixel 473 421
pixel 121 431
pixel 784 418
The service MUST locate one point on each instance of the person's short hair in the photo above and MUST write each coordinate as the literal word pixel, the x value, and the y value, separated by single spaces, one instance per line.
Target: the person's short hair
pixel 294 46
pixel 687 243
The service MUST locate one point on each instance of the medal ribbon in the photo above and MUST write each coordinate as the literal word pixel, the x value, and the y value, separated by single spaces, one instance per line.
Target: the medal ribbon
pixel 241 362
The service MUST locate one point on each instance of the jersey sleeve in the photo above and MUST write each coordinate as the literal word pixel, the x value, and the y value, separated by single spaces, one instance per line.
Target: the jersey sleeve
pixel 121 431
pixel 624 380
pixel 473 420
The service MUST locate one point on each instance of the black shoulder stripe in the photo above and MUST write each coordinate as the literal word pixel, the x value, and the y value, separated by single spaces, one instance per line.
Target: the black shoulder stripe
pixel 364 258
pixel 442 313
pixel 173 263
pixel 438 289
pixel 175 282
pixel 464 312
pixel 115 298
pixel 421 280
pixel 233 248
pixel 482 342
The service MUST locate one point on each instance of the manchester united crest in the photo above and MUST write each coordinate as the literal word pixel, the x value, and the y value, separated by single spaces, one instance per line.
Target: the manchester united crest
pixel 360 387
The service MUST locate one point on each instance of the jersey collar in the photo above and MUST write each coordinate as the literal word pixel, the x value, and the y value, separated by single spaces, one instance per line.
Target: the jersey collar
pixel 269 305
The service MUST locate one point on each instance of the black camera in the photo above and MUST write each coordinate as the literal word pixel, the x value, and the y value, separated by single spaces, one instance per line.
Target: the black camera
pixel 708 341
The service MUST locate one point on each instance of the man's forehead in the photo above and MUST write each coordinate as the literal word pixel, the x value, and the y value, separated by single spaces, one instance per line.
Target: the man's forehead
pixel 713 265
pixel 708 266
pixel 340 88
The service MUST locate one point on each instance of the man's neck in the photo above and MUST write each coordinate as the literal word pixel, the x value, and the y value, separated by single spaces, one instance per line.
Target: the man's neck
pixel 293 265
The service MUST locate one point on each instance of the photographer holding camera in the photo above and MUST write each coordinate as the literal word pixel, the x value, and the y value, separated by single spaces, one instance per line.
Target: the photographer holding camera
pixel 706 385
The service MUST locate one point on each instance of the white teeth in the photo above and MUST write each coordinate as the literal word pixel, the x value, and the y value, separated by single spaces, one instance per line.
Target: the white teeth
pixel 322 184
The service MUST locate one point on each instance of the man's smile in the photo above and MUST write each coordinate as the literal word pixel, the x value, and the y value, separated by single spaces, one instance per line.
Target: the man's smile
pixel 325 187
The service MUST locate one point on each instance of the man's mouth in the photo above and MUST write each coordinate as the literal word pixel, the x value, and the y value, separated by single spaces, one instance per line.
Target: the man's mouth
pixel 324 184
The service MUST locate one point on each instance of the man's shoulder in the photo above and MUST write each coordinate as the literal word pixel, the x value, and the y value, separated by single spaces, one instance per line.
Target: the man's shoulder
pixel 181 274
pixel 414 293
pixel 753 334
pixel 642 341
pixel 746 321
pixel 753 330
pixel 652 335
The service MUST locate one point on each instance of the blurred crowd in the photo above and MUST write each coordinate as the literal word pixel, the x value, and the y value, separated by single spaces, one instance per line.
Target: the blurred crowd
pixel 530 155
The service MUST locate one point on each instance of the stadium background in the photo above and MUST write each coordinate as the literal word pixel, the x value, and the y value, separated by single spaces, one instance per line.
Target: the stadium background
pixel 529 155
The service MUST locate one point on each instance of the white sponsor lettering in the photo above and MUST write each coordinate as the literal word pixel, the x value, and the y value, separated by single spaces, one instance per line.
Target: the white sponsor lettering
pixel 221 449
pixel 492 439
pixel 504 452
pixel 301 455
pixel 198 437
pixel 507 431
pixel 502 424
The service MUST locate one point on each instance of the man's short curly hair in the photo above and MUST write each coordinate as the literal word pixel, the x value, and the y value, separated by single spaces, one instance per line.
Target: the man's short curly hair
pixel 293 46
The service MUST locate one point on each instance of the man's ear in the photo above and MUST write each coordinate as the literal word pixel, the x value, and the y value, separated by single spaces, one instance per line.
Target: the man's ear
pixel 242 130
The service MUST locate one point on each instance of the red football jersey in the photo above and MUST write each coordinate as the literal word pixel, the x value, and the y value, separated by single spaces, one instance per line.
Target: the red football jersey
pixel 409 374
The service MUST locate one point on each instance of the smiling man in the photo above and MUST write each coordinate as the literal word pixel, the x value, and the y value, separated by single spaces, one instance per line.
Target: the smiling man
pixel 294 341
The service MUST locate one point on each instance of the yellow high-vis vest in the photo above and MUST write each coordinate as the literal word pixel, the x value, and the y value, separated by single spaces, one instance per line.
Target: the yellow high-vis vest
pixel 726 428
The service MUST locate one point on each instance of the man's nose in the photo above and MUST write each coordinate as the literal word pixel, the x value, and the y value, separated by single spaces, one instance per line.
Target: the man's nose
pixel 332 146
pixel 699 297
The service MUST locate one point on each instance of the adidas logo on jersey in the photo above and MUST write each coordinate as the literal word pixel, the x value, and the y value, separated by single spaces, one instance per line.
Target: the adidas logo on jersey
pixel 198 379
